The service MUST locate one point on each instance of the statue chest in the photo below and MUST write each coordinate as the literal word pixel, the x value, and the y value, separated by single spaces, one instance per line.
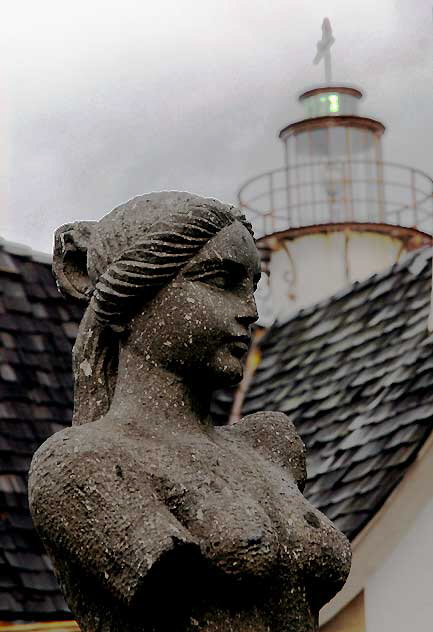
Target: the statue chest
pixel 248 514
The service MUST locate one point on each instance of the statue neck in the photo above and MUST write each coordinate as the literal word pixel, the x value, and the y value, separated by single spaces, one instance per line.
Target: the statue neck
pixel 150 397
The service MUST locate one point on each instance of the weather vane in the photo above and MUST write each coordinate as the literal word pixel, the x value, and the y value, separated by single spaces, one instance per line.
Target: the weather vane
pixel 324 49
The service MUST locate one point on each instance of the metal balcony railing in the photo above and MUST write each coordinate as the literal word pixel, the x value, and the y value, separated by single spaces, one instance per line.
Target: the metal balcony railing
pixel 329 192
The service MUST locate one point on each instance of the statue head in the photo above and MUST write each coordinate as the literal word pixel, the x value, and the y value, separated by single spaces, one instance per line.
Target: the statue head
pixel 171 274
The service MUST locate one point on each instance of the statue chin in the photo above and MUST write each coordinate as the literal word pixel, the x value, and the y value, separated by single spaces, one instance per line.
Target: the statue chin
pixel 228 371
pixel 228 378
pixel 219 376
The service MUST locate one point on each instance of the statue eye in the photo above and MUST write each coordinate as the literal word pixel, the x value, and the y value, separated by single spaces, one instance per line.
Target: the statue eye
pixel 220 280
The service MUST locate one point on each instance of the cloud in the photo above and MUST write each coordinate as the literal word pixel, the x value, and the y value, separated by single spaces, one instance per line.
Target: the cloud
pixel 106 99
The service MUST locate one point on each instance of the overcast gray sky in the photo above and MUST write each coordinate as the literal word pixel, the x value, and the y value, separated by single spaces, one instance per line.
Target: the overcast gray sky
pixel 103 100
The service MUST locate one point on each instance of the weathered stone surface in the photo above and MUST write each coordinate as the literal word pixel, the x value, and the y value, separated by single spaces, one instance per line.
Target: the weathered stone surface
pixel 155 520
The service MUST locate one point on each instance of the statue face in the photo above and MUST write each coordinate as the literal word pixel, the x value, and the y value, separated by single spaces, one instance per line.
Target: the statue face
pixel 198 326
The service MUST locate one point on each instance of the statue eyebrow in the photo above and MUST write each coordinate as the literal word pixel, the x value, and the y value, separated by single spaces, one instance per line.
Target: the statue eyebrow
pixel 209 266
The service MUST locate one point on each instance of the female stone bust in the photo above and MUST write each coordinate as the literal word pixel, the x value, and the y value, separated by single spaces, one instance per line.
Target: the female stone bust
pixel 154 519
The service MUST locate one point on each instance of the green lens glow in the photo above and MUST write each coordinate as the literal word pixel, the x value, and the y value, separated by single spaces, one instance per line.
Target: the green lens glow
pixel 333 103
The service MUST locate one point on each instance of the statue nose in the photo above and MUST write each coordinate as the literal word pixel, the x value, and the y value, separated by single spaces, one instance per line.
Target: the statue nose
pixel 249 314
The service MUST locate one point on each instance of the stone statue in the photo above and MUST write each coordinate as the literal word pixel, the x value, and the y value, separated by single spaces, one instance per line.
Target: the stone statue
pixel 155 520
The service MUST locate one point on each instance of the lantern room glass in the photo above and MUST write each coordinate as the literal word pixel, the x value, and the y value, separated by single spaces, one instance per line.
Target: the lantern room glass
pixel 330 104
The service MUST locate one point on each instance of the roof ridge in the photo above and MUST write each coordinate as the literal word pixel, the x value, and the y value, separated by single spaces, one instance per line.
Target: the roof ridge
pixel 21 250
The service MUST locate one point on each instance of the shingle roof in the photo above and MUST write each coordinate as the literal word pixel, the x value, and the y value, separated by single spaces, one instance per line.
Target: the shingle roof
pixel 37 330
pixel 355 374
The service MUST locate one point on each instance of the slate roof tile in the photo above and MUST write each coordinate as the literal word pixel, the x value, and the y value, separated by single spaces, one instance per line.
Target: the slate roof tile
pixel 408 434
pixel 8 603
pixel 404 453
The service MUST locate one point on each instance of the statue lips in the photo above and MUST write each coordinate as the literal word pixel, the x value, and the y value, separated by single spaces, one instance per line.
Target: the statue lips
pixel 238 345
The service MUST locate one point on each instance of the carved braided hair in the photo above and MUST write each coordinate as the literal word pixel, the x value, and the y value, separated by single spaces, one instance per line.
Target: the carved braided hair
pixel 156 258
pixel 128 256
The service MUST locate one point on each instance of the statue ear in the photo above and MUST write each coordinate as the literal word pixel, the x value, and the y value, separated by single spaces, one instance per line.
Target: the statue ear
pixel 70 260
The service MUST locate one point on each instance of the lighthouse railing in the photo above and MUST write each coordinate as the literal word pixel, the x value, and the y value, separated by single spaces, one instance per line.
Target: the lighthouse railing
pixel 327 192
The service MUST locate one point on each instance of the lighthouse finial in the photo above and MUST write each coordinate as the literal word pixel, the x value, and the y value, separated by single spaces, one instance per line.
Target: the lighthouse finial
pixel 324 49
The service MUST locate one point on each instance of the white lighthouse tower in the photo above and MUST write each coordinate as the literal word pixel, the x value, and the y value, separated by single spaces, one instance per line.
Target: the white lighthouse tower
pixel 335 213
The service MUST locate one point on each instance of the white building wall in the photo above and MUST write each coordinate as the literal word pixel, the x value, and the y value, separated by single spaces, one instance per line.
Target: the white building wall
pixel 312 267
pixel 399 595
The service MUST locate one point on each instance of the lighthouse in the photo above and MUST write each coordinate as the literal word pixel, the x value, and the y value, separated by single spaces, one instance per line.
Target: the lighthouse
pixel 335 212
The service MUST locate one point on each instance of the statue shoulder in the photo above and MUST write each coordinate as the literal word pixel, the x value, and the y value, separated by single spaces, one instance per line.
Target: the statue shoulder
pixel 66 451
pixel 94 507
pixel 63 466
pixel 49 455
pixel 274 436
pixel 90 460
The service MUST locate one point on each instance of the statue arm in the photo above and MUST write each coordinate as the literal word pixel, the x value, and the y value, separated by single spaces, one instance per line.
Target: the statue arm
pixel 113 528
